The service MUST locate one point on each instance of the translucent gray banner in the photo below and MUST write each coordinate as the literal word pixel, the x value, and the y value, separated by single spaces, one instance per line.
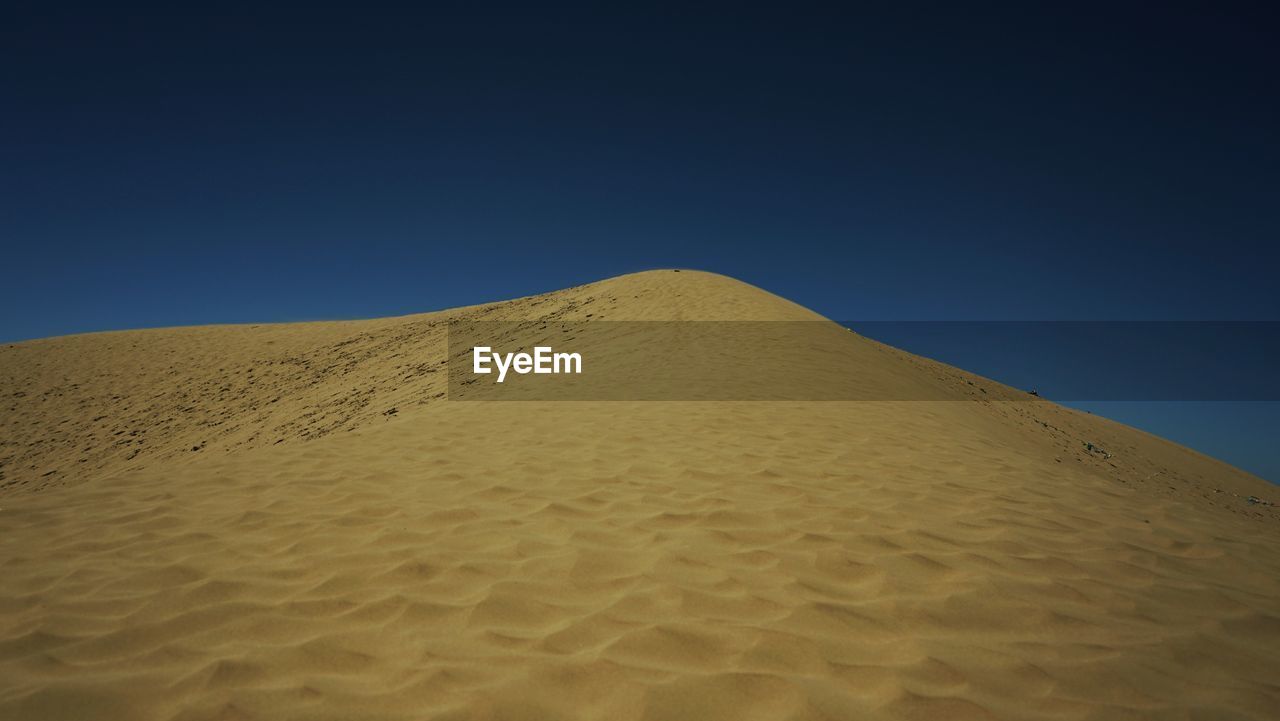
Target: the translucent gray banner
pixel 828 361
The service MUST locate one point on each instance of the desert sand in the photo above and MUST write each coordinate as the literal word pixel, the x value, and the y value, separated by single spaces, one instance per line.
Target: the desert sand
pixel 293 522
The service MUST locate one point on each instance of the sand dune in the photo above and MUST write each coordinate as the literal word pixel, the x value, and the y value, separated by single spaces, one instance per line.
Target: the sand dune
pixel 291 522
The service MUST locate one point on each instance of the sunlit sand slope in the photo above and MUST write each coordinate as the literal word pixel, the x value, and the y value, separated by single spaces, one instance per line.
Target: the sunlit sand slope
pixel 320 557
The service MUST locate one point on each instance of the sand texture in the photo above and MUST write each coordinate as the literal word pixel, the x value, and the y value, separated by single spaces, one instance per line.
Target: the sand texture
pixel 293 522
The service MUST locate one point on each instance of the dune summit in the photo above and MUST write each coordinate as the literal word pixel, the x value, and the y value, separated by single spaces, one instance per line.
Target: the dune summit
pixel 293 522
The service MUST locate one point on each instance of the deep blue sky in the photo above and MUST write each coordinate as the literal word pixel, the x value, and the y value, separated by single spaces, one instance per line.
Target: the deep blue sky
pixel 169 166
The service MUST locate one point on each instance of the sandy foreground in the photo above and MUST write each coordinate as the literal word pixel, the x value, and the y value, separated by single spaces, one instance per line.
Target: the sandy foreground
pixel 292 522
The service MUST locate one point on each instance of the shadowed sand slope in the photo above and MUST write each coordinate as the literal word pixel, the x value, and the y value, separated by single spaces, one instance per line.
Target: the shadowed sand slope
pixel 229 523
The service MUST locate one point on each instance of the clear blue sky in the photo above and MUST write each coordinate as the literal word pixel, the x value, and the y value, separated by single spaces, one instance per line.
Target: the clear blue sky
pixel 167 166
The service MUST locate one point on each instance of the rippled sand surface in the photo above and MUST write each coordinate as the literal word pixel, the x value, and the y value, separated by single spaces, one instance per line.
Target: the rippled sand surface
pixel 291 522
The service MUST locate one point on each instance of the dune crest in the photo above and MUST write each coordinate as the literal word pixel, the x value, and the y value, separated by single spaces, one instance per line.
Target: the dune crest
pixel 291 522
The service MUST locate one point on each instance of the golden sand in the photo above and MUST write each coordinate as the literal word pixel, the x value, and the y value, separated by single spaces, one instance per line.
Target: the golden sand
pixel 291 522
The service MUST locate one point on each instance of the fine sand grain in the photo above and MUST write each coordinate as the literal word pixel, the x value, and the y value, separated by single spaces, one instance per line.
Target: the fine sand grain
pixel 292 522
